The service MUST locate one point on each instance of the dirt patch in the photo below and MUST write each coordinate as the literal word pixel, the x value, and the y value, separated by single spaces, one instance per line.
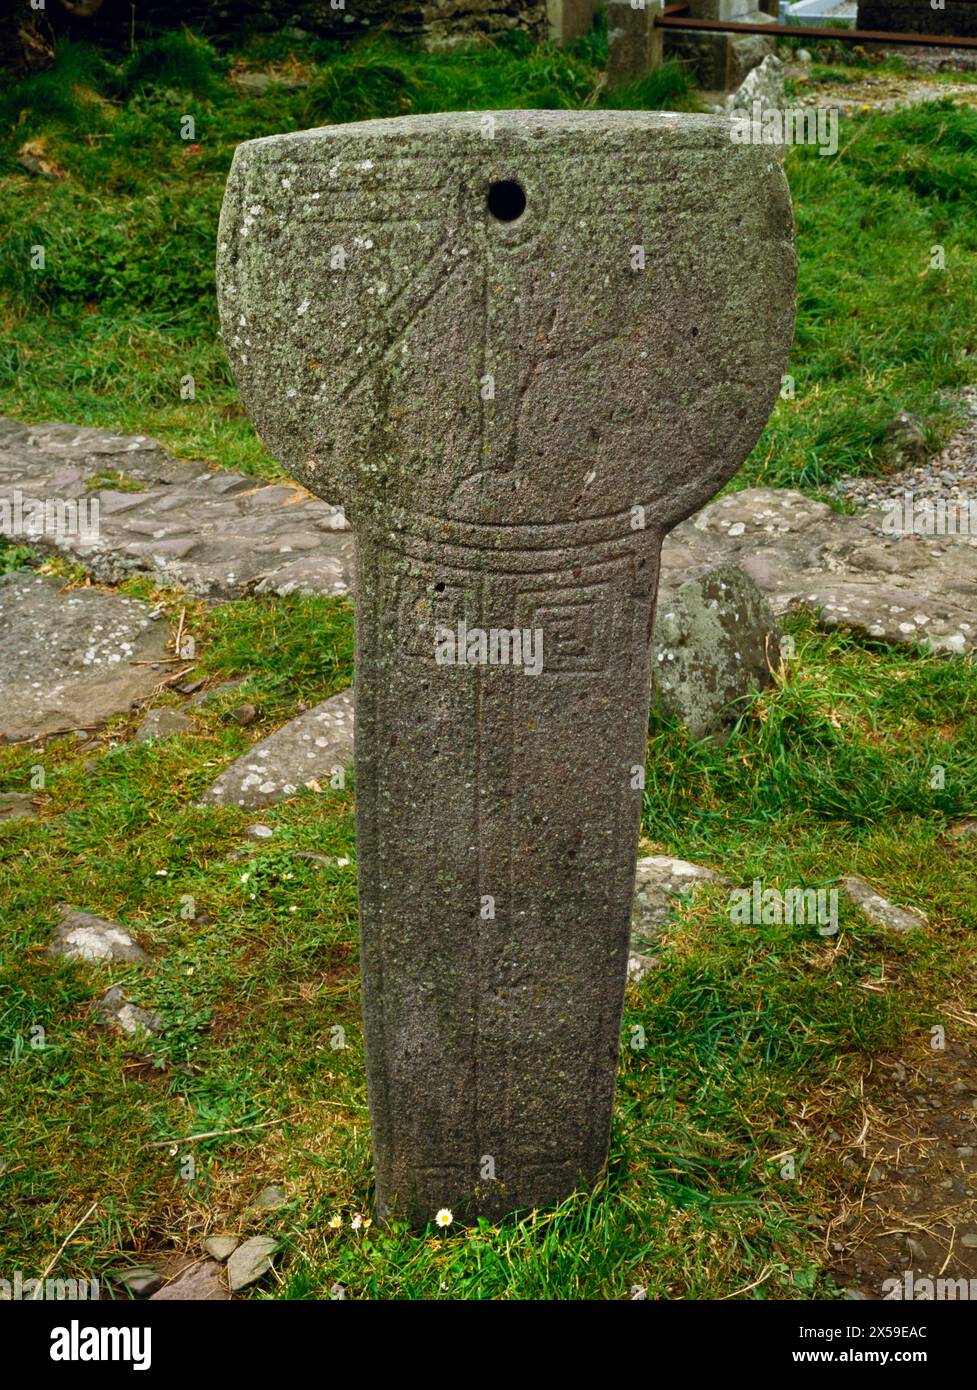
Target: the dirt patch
pixel 908 1210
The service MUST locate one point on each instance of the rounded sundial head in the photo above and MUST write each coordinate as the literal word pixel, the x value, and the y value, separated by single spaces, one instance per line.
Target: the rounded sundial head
pixel 514 317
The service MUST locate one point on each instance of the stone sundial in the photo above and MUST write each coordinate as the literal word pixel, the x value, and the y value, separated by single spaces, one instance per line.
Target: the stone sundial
pixel 517 348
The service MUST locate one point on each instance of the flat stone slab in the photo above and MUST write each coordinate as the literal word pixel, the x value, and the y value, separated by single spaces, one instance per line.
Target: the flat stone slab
pixel 16 806
pixel 83 936
pixel 200 1282
pixel 250 1261
pixel 879 910
pixel 899 589
pixel 304 750
pixel 66 658
pixel 212 533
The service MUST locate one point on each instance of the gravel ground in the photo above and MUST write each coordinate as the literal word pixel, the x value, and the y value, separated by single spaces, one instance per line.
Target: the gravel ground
pixel 883 91
pixel 937 59
pixel 950 475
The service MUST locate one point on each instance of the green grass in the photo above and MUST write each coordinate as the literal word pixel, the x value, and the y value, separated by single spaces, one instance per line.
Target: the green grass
pixel 14 557
pixel 755 1039
pixel 124 309
pixel 877 330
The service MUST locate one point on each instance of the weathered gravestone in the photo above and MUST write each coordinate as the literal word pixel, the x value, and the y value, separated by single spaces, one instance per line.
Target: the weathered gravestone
pixel 634 41
pixel 518 348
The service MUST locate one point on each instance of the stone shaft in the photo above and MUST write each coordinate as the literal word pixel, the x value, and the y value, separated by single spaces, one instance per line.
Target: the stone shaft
pixel 518 347
pixel 497 825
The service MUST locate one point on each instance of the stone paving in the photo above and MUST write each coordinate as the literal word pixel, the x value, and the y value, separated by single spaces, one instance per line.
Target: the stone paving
pixel 902 589
pixel 71 658
pixel 213 533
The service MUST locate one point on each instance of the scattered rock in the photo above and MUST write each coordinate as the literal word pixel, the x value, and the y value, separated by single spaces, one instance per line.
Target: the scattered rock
pixel 140 1281
pixel 962 830
pixel 917 1251
pixel 763 83
pixel 880 911
pixel 271 1198
pixel 329 571
pixel 659 881
pixel 259 832
pixel 338 1292
pixel 200 1282
pixel 747 51
pixel 221 1247
pixel 714 642
pixel 254 83
pixel 115 1011
pixel 164 722
pixel 244 715
pixel 905 442
pixel 204 697
pixel 250 1261
pixel 16 806
pixel 306 749
pixel 661 884
pixel 66 658
pixel 257 83
pixel 36 159
pixel 640 965
pixel 803 56
pixel 83 936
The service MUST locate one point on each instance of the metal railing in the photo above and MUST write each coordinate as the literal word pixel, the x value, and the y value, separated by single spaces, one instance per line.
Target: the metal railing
pixel 676 17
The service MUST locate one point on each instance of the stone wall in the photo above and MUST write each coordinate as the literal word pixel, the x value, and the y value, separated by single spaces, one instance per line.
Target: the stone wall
pixel 26 35
pixel 448 22
pixel 918 17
